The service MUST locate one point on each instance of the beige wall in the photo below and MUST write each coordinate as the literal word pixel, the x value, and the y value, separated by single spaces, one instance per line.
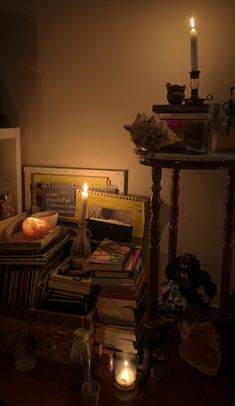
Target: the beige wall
pixel 73 72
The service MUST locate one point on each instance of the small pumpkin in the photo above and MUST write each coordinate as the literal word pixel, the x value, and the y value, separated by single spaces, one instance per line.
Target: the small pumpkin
pixel 34 228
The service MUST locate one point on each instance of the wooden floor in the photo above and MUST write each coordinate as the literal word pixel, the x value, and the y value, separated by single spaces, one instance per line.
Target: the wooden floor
pixel 48 384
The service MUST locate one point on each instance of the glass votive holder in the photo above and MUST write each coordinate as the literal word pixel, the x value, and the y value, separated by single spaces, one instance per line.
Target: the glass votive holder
pixel 125 370
pixel 103 362
pixel 197 136
pixel 90 393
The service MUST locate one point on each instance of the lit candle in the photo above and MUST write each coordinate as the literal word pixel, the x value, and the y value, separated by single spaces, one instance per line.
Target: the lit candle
pixel 193 42
pixel 125 376
pixel 84 203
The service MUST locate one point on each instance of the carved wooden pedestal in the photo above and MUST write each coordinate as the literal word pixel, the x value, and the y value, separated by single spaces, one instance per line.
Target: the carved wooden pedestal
pixel 177 162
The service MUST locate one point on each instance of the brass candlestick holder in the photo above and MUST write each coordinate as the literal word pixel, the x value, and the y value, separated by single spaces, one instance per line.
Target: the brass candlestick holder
pixel 81 247
pixel 194 85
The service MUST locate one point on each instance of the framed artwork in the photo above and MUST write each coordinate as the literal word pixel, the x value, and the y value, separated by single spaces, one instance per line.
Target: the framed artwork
pixel 42 183
pixel 10 173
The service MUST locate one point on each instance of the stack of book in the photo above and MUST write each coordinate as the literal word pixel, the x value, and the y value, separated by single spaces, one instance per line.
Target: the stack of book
pixel 69 290
pixel 121 277
pixel 177 115
pixel 24 265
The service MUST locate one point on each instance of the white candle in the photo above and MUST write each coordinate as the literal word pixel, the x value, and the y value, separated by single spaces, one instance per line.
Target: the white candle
pixel 84 203
pixel 193 42
pixel 126 377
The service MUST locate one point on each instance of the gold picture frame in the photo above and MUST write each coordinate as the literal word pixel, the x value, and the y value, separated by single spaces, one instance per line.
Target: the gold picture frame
pixel 101 179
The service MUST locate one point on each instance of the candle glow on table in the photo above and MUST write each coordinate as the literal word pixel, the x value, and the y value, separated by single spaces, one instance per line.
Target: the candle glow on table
pixel 125 375
pixel 84 203
pixel 193 43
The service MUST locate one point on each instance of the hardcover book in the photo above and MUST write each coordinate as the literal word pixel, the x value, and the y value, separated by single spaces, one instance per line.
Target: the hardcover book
pixel 129 268
pixel 18 243
pixel 111 229
pixel 180 108
pixel 126 292
pixel 41 257
pixel 120 311
pixel 120 337
pixel 81 285
pixel 71 307
pixel 109 255
pixel 69 302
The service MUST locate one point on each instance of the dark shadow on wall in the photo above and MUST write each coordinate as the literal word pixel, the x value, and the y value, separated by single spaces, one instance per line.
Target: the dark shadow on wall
pixel 19 82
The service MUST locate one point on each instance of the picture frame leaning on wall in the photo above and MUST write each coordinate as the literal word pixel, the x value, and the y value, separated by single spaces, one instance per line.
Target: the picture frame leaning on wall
pixel 109 180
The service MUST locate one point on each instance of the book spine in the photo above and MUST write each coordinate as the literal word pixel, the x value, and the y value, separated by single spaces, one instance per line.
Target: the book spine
pixel 166 108
pixel 133 260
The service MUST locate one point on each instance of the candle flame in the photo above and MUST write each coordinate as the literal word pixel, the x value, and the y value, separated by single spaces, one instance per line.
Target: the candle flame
pixel 85 188
pixel 192 22
pixel 125 376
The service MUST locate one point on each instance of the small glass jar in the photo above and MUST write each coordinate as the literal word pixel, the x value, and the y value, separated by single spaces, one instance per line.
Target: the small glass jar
pixel 103 362
pixel 197 136
pixel 125 370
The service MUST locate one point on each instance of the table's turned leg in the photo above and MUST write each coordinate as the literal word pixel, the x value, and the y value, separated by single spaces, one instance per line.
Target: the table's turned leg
pixel 149 333
pixel 153 274
pixel 173 214
pixel 229 227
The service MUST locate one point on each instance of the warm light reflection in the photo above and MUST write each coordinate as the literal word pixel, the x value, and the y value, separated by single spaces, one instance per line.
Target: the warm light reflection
pixel 85 188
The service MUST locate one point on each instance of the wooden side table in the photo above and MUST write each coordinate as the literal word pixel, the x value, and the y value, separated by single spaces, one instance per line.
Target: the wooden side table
pixel 177 162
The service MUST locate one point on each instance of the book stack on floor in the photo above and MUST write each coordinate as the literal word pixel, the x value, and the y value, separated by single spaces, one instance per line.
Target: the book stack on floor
pixel 121 277
pixel 69 290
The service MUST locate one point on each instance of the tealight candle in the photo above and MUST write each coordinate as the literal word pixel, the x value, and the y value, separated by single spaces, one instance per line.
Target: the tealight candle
pixel 125 371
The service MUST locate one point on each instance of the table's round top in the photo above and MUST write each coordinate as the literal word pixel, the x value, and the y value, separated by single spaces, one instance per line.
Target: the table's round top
pixel 211 160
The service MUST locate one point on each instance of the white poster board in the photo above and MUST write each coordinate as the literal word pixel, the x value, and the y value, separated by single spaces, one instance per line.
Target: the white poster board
pixel 10 165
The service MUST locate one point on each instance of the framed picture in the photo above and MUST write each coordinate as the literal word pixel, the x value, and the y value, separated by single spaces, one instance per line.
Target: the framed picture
pixel 10 173
pixel 41 182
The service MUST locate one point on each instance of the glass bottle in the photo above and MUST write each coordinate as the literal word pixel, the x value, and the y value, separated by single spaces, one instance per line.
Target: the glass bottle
pixel 80 359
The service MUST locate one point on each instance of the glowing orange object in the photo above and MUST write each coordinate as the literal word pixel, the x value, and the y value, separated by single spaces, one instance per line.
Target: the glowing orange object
pixel 34 228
